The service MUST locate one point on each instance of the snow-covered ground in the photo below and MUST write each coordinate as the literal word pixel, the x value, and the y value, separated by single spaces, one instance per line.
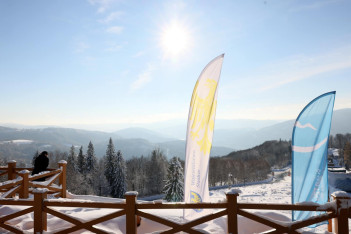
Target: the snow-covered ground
pixel 18 142
pixel 278 191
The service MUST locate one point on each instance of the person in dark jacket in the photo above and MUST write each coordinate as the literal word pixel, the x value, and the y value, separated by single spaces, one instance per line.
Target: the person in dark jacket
pixel 40 164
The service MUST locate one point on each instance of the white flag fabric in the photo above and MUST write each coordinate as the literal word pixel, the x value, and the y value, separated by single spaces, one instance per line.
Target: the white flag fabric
pixel 199 137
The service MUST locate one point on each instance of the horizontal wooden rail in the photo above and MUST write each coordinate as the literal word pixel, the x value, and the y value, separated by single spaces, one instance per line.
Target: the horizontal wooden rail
pixel 31 169
pixel 340 210
pixel 17 202
pixel 266 206
pixel 104 205
pixel 183 206
pixel 45 186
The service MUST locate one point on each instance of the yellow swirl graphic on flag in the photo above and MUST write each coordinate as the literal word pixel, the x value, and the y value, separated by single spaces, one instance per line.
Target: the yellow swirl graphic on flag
pixel 202 115
pixel 195 198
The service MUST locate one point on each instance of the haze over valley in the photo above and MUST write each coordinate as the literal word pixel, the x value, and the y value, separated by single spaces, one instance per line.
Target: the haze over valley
pixel 137 141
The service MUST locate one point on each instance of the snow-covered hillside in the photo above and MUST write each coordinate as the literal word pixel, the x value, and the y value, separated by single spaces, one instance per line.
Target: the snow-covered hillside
pixel 279 191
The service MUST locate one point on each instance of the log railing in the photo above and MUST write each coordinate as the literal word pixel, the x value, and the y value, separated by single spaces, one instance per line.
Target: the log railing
pixel 340 210
pixel 22 183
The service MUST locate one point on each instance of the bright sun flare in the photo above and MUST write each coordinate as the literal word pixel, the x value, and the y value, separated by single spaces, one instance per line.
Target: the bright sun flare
pixel 174 39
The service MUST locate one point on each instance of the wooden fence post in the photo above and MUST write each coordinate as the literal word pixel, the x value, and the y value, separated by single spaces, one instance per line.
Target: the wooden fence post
pixel 11 170
pixel 232 209
pixel 130 212
pixel 342 204
pixel 330 225
pixel 40 217
pixel 62 180
pixel 330 221
pixel 24 192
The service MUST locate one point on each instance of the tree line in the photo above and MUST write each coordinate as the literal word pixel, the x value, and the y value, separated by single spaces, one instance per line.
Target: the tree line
pixel 112 176
pixel 343 143
pixel 153 174
pixel 251 165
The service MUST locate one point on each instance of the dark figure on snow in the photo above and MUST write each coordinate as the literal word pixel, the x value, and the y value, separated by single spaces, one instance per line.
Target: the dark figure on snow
pixel 40 164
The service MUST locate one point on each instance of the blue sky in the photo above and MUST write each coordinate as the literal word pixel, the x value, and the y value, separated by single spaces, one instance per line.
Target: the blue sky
pixel 105 61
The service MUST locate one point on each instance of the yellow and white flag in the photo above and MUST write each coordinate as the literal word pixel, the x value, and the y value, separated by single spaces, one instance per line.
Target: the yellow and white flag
pixel 199 137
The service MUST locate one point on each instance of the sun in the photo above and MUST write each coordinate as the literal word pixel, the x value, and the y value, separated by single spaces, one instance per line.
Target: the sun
pixel 175 39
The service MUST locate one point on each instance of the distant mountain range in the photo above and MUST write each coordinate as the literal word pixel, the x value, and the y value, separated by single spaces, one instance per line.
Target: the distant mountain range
pixel 244 138
pixel 15 143
pixel 228 136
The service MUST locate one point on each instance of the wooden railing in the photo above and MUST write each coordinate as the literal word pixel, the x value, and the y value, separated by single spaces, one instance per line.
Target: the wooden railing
pixel 22 183
pixel 340 210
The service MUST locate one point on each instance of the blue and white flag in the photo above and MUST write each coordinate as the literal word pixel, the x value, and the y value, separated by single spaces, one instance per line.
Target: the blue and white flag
pixel 309 154
pixel 199 137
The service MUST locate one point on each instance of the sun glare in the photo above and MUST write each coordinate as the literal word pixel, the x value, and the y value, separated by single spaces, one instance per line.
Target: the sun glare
pixel 174 39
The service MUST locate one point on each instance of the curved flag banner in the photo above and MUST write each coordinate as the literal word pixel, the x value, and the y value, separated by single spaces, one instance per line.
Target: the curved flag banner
pixel 309 154
pixel 199 137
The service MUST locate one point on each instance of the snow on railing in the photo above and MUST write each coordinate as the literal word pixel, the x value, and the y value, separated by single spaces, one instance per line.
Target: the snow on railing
pixel 229 207
pixel 21 181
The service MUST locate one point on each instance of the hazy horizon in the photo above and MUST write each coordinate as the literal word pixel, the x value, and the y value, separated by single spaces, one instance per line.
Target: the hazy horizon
pixel 162 124
pixel 154 126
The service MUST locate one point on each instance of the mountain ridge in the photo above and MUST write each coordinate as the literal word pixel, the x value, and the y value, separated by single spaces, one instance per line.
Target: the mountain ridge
pixel 138 141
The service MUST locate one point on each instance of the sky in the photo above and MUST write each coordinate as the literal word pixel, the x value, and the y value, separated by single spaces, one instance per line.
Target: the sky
pixel 92 62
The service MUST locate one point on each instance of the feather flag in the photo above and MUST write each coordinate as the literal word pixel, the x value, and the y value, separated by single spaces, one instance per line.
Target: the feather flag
pixel 309 154
pixel 199 136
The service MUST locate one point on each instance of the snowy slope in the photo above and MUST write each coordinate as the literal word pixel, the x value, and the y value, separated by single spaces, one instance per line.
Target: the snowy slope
pixel 275 192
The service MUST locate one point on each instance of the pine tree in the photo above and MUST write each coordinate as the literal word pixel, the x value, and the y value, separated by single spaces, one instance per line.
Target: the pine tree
pixel 157 172
pixel 81 161
pixel 71 160
pixel 119 181
pixel 100 184
pixel 137 168
pixel 174 187
pixel 110 159
pixel 91 162
pixel 73 178
pixel 115 171
pixel 347 155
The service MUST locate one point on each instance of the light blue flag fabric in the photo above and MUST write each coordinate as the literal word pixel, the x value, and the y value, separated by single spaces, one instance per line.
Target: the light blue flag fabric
pixel 309 154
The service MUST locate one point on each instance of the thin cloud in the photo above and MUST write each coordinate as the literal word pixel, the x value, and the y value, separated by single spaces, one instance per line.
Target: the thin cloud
pixel 305 67
pixel 277 74
pixel 113 47
pixel 111 17
pixel 314 5
pixel 103 5
pixel 307 73
pixel 143 78
pixel 269 112
pixel 139 54
pixel 115 29
pixel 81 47
pixel 88 61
